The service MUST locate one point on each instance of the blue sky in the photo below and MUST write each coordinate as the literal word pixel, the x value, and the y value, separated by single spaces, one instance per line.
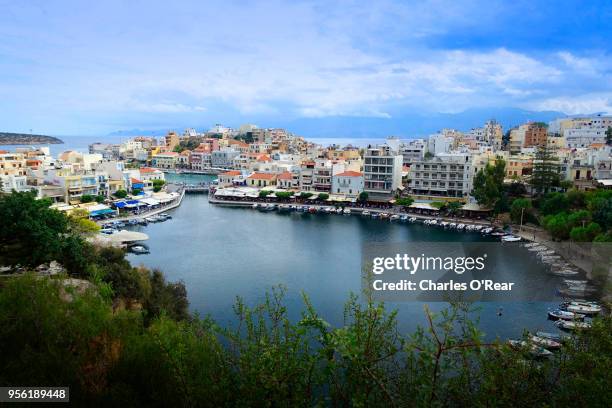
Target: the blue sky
pixel 74 67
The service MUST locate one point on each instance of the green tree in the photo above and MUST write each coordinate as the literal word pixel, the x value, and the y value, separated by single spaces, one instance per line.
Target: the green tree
pixel 454 206
pixel 30 232
pixel 609 136
pixel 519 209
pixel 428 155
pixel 136 191
pixel 404 201
pixel 305 194
pixel 558 226
pixel 488 184
pixel 283 195
pixel 100 198
pixel 87 198
pixel 554 203
pixel 323 196
pixel 545 175
pixel 264 193
pixel 363 197
pixel 585 234
pixel 158 184
pixel 120 193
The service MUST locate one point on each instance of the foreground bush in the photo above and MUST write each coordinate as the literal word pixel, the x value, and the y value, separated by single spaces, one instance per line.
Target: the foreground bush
pixel 117 359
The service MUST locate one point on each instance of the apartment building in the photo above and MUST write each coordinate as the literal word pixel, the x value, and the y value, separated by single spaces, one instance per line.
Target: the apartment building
pixel 446 176
pixel 382 171
pixel 348 183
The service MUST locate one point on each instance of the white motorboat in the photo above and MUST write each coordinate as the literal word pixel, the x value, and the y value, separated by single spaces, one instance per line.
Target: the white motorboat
pixel 460 227
pixel 544 342
pixel 583 309
pixel 394 217
pixel 559 314
pixel 572 325
pixel 347 211
pixel 510 238
pixel 365 213
pixel 533 349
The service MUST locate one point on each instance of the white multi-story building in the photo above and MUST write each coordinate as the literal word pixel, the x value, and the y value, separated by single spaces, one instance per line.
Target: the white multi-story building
pixel 382 170
pixel 447 176
pixel 224 158
pixel 584 136
pixel 412 151
pixel 439 143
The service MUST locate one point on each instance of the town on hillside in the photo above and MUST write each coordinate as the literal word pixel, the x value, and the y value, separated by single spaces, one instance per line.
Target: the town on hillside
pixel 441 168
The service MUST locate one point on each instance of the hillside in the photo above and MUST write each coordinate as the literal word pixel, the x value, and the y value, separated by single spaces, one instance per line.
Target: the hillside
pixel 26 139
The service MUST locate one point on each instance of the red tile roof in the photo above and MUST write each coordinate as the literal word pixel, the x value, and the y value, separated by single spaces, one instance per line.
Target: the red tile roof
pixel 285 176
pixel 350 174
pixel 231 173
pixel 262 176
pixel 147 170
pixel 135 181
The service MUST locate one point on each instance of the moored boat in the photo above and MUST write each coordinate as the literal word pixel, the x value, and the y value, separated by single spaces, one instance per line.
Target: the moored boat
pixel 572 325
pixel 544 342
pixel 583 309
pixel 365 213
pixel 559 314
pixel 533 349
pixel 510 238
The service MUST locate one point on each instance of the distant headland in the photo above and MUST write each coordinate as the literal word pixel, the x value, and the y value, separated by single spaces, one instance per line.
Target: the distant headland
pixel 27 139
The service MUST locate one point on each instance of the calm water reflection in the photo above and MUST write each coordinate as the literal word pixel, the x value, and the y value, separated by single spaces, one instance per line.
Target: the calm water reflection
pixel 221 253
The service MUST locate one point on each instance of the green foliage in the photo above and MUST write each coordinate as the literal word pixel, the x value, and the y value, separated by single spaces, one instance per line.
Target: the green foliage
pixel 283 195
pixel 363 197
pixel 599 203
pixel 266 359
pixel 136 191
pixel 519 208
pixel 576 198
pixel 305 194
pixel 585 234
pixel 558 226
pixel 428 155
pixel 453 206
pixel 609 136
pixel 30 232
pixel 120 193
pixel 545 173
pixel 87 198
pixel 100 198
pixel 404 201
pixel 264 193
pixel 323 196
pixel 607 237
pixel 488 184
pixel 157 185
pixel 554 203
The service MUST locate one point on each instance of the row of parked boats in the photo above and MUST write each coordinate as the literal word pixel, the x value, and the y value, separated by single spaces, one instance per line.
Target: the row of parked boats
pixel 559 267
pixel 114 226
pixel 505 237
pixel 570 317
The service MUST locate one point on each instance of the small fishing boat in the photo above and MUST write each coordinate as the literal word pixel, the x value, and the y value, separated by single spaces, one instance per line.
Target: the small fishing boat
pixel 139 249
pixel 533 349
pixel 498 234
pixel 142 221
pixel 487 230
pixel 347 211
pixel 460 227
pixel 255 206
pixel 384 215
pixel 375 215
pixel 412 219
pixel 394 217
pixel 365 213
pixel 544 342
pixel 583 309
pixel 452 225
pixel 166 216
pixel 572 325
pixel 404 218
pixel 107 231
pixel 559 314
pixel 312 210
pixel 469 227
pixel 510 238
pixel 338 210
pixel 551 336
pixel 531 244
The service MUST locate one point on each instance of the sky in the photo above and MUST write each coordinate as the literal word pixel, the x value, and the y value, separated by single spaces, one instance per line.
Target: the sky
pixel 74 67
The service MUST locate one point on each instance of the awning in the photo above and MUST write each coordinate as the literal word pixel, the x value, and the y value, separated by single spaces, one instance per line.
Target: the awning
pixel 101 212
pixel 423 206
pixel 98 207
pixel 149 201
pixel 474 207
pixel 120 204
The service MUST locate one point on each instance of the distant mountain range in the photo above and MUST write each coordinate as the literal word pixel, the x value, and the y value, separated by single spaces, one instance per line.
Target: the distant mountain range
pixel 407 126
pixel 27 139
